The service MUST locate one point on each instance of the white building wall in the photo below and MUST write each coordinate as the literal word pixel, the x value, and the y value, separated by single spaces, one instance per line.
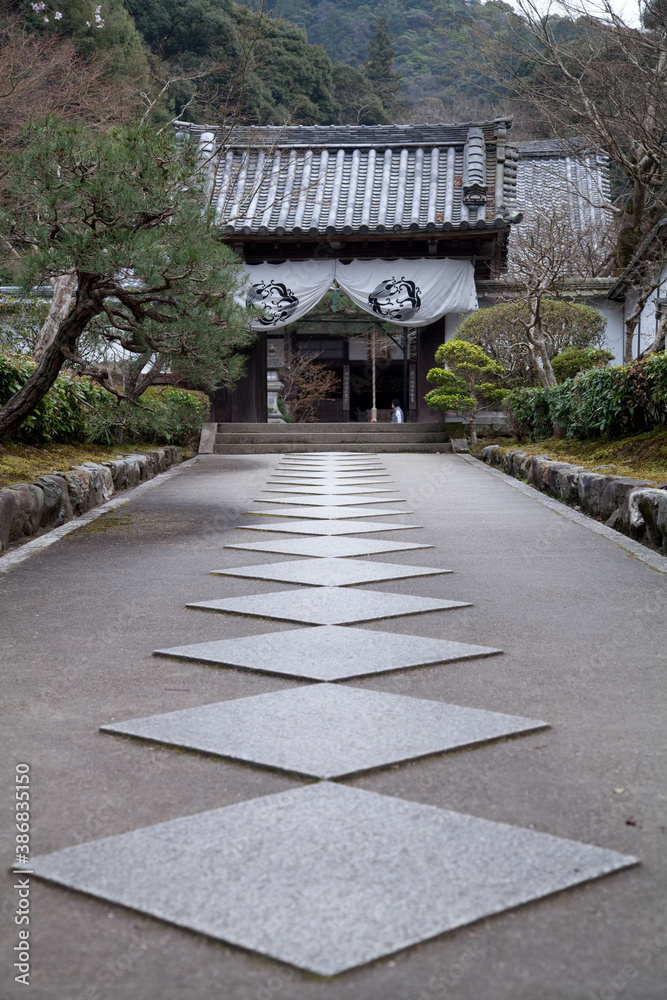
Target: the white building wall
pixel 648 324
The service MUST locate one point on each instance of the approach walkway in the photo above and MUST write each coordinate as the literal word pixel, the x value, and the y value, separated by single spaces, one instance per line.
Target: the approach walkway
pixel 412 699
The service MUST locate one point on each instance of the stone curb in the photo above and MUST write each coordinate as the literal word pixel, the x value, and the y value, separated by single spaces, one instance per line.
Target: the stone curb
pixel 632 506
pixel 12 511
pixel 637 549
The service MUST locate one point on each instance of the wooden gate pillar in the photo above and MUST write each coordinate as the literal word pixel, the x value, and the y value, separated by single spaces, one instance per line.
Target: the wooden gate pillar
pixel 429 339
pixel 246 404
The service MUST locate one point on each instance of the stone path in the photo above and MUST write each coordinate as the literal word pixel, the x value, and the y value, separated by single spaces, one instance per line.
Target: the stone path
pixel 327 877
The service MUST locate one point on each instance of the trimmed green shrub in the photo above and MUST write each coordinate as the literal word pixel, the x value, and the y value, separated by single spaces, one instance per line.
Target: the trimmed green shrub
pixel 610 401
pixel 573 360
pixel 162 415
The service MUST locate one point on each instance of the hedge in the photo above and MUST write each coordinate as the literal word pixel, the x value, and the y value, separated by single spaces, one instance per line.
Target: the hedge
pixel 76 409
pixel 610 401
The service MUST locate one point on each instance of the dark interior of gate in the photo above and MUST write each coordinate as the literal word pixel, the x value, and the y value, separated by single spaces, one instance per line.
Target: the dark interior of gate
pixel 347 195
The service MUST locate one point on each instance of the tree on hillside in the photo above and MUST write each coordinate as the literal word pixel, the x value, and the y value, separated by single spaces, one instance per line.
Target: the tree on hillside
pixel 98 31
pixel 359 103
pixel 233 65
pixel 463 381
pixel 379 69
pixel 121 210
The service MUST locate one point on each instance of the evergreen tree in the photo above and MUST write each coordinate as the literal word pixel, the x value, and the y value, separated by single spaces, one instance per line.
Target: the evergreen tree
pixel 359 103
pixel 379 69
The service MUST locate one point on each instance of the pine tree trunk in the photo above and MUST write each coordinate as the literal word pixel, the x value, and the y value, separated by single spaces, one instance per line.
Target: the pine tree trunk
pixel 63 290
pixel 88 304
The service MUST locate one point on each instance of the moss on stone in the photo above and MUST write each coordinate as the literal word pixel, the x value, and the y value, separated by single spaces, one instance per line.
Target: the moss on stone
pixel 640 456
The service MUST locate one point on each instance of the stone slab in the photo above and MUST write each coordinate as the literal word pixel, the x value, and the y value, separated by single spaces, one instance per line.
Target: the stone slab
pixel 328 513
pixel 327 605
pixel 325 730
pixel 327 652
pixel 331 488
pixel 326 877
pixel 331 467
pixel 332 484
pixel 329 527
pixel 343 477
pixel 376 470
pixel 329 572
pixel 328 547
pixel 328 499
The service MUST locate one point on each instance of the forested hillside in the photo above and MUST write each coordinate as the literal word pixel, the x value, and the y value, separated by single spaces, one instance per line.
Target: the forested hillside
pixel 430 39
pixel 304 61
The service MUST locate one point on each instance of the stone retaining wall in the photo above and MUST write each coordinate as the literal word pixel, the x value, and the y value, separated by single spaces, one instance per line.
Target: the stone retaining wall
pixel 28 509
pixel 631 506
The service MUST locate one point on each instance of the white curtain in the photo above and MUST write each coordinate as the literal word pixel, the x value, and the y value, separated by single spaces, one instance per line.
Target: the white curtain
pixel 286 292
pixel 405 292
pixel 409 292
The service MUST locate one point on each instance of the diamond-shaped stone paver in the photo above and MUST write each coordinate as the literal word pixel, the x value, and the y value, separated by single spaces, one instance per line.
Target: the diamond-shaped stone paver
pixel 328 546
pixel 329 572
pixel 327 652
pixel 341 477
pixel 328 513
pixel 329 499
pixel 330 468
pixel 329 488
pixel 331 485
pixel 325 527
pixel 326 877
pixel 327 605
pixel 325 730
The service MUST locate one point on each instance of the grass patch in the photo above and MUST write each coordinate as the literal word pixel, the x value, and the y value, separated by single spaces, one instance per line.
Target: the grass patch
pixel 640 456
pixel 21 463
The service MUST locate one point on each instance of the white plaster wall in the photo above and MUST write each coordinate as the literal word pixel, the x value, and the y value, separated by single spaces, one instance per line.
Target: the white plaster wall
pixel 613 312
pixel 452 323
pixel 645 335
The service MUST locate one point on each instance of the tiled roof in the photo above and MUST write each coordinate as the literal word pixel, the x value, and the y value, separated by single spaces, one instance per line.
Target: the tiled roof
pixel 339 180
pixel 565 171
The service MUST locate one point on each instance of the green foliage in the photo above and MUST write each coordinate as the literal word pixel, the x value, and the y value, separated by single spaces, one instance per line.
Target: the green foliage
pixel 237 63
pixel 359 103
pixel 610 401
pixel 460 385
pixel 118 41
pixel 573 360
pixel 433 53
pixel 379 68
pixel 162 416
pixel 61 414
pixel 75 409
pixel 498 331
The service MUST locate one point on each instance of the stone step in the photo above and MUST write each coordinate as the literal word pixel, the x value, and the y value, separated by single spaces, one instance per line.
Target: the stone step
pixel 287 447
pixel 339 429
pixel 323 440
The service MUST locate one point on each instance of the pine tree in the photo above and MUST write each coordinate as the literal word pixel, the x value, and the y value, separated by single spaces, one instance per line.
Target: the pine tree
pixel 121 210
pixel 379 69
